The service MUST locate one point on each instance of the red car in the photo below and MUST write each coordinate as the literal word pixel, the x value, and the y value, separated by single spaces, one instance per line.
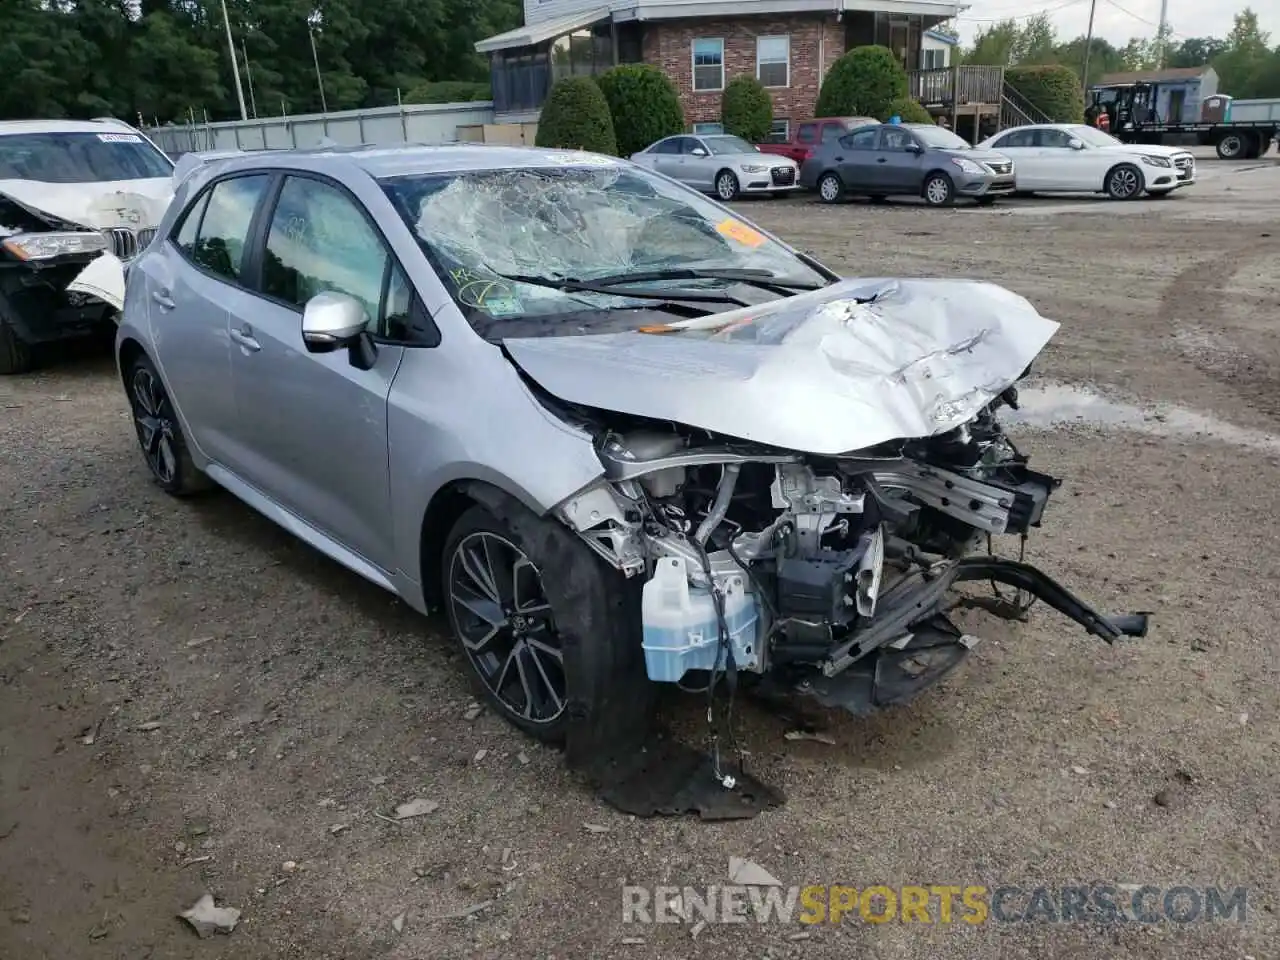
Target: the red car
pixel 810 134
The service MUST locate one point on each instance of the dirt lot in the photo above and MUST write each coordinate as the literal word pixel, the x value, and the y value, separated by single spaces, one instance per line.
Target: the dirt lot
pixel 292 697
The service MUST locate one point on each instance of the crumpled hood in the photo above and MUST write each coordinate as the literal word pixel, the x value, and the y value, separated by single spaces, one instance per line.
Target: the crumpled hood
pixel 136 204
pixel 820 372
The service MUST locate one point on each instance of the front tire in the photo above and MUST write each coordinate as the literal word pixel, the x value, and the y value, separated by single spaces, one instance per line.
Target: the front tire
pixel 830 188
pixel 159 434
pixel 544 628
pixel 938 190
pixel 16 355
pixel 726 186
pixel 1124 182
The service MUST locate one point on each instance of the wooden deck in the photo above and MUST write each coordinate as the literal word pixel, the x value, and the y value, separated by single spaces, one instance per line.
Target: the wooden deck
pixel 977 90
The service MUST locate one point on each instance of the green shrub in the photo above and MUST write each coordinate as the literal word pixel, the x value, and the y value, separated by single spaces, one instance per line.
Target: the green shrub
pixel 644 105
pixel 447 91
pixel 576 117
pixel 1053 90
pixel 746 109
pixel 862 83
pixel 908 110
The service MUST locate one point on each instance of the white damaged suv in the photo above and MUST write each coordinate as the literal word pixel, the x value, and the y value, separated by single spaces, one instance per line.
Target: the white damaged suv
pixel 73 195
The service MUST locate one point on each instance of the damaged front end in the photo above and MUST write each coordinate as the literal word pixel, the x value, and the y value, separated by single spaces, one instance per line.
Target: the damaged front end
pixel 808 572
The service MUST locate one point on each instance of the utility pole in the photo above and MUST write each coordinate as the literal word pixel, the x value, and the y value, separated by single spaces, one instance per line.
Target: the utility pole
pixel 248 72
pixel 1162 36
pixel 953 59
pixel 235 67
pixel 311 32
pixel 1088 46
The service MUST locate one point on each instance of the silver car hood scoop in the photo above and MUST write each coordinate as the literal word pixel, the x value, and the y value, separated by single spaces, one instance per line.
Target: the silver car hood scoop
pixel 826 372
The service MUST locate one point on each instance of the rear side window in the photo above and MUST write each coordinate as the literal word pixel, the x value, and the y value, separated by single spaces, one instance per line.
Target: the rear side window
pixel 224 226
pixel 1019 138
pixel 861 139
pixel 188 230
pixel 319 241
pixel 668 146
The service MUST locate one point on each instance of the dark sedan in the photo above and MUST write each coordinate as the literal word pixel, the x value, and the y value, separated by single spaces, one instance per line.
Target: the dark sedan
pixel 906 159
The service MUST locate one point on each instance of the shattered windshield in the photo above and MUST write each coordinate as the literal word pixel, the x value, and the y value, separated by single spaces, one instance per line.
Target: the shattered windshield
pixel 80 158
pixel 520 244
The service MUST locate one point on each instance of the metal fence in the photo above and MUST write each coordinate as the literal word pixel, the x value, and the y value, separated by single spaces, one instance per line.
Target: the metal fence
pixel 381 126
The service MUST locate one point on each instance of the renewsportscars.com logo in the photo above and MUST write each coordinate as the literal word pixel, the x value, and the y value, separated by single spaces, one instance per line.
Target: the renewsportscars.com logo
pixel 755 895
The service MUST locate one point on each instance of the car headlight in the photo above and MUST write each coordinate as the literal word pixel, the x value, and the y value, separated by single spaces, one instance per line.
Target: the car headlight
pixel 46 246
pixel 968 166
pixel 1157 162
pixel 754 168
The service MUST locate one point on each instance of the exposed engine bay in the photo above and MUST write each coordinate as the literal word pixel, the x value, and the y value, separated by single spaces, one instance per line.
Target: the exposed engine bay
pixel 824 576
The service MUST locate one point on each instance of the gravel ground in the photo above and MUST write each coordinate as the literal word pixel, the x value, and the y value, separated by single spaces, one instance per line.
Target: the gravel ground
pixel 293 699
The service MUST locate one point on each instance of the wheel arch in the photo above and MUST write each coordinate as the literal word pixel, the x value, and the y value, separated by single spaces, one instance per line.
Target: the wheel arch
pixel 127 354
pixel 445 507
pixel 1134 161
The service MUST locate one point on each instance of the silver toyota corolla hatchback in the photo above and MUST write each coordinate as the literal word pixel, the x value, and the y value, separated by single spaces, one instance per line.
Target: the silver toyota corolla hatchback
pixel 621 435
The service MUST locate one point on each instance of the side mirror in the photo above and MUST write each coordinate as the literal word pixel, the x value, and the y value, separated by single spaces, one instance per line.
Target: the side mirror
pixel 331 321
pixel 698 152
pixel 1075 144
pixel 913 147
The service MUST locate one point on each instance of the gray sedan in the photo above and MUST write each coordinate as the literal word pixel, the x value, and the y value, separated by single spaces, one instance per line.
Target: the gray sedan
pixel 907 159
pixel 722 164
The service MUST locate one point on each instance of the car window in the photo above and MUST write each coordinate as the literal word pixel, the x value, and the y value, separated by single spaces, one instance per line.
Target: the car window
pixel 689 144
pixel 1053 138
pixel 185 236
pixel 808 133
pixel 831 132
pixel 894 138
pixel 861 139
pixel 671 145
pixel 321 241
pixel 224 228
pixel 1019 138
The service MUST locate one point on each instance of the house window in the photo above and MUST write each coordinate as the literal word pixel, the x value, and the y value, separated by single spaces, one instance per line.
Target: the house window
pixel 708 129
pixel 933 59
pixel 708 65
pixel 773 61
pixel 780 132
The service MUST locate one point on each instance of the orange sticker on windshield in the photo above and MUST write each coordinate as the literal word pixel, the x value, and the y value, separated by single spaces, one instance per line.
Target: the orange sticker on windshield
pixel 737 230
pixel 658 328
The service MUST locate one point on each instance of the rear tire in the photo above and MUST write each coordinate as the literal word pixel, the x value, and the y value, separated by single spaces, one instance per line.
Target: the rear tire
pixel 1124 182
pixel 16 355
pixel 1231 146
pixel 160 434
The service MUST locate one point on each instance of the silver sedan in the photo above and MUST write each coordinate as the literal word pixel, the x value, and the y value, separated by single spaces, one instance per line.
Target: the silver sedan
pixel 724 165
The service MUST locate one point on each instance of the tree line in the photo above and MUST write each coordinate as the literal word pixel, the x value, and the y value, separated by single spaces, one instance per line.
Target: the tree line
pixel 167 60
pixel 1247 64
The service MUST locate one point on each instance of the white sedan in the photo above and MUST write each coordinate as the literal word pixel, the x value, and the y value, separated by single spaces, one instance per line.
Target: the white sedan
pixel 1075 158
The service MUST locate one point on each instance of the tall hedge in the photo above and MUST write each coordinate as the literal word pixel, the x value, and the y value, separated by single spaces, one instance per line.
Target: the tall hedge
pixel 1053 90
pixel 643 103
pixel 908 110
pixel 862 83
pixel 746 109
pixel 576 117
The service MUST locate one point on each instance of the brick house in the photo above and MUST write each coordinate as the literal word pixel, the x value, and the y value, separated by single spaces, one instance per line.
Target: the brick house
pixel 788 45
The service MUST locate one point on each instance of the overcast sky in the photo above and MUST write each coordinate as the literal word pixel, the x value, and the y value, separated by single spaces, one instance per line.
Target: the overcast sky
pixel 1188 18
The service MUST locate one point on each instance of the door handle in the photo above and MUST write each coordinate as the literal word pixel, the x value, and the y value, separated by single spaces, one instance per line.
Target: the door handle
pixel 882 160
pixel 162 297
pixel 244 337
pixel 839 159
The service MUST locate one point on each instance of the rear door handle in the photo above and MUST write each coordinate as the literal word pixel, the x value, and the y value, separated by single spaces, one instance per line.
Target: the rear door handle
pixel 839 159
pixel 882 160
pixel 162 297
pixel 244 337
